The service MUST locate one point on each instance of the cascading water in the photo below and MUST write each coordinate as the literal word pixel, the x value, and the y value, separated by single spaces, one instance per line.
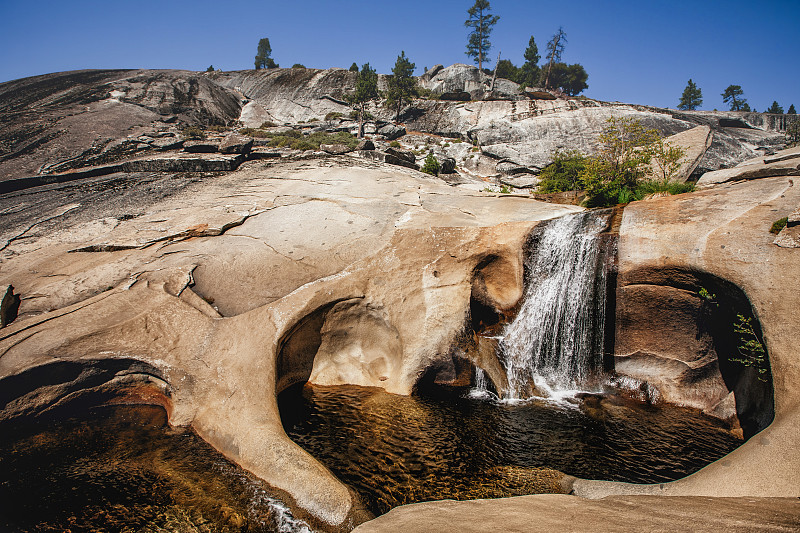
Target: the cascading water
pixel 556 340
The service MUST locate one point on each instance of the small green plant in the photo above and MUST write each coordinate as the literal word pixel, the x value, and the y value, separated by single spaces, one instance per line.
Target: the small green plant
pixel 476 149
pixel 505 190
pixel 394 144
pixel 564 173
pixel 193 133
pixel 705 295
pixel 456 140
pixel 427 94
pixel 431 165
pixel 778 225
pixel 333 115
pixel 446 145
pixel 267 124
pixel 751 350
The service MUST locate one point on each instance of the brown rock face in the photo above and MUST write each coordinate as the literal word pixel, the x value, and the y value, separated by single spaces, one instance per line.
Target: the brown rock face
pixel 667 333
pixel 224 291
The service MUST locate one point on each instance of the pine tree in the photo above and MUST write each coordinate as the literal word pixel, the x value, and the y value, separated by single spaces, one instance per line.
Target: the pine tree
pixel 792 110
pixel 691 98
pixel 529 71
pixel 402 85
pixel 366 90
pixel 262 57
pixel 554 50
pixel 354 67
pixel 732 95
pixel 481 23
pixel 775 108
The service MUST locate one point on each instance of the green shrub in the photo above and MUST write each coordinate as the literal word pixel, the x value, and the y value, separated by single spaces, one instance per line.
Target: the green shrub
pixel 333 115
pixel 505 190
pixel 295 140
pixel 564 173
pixel 367 115
pixel 616 174
pixel 267 124
pixel 193 133
pixel 427 94
pixel 751 350
pixel 252 132
pixel 778 225
pixel 431 165
pixel 394 144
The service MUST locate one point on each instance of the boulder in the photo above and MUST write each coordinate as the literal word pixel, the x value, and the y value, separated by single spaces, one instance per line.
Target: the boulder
pixel 405 155
pixel 503 89
pixel 365 144
pixel 694 143
pixel 457 78
pixel 538 94
pixel 456 96
pixel 447 165
pixel 521 181
pixel 201 147
pixel 431 72
pixel 235 143
pixel 335 149
pixel 786 167
pixel 775 157
pixel 509 168
pixel 392 131
pixel 9 304
pixel 789 236
pixel 167 143
pixel 385 157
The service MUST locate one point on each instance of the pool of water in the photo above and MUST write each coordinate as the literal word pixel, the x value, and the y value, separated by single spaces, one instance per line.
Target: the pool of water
pixel 396 450
pixel 122 468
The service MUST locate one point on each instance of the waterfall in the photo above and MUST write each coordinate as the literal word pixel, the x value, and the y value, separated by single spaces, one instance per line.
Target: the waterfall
pixel 556 340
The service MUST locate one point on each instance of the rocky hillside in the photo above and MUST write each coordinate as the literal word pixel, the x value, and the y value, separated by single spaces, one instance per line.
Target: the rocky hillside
pixel 63 121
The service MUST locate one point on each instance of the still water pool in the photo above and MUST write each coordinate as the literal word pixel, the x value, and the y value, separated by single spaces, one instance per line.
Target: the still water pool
pixel 123 469
pixel 395 450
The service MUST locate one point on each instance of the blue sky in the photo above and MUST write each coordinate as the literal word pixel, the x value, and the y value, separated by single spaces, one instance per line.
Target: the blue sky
pixel 634 51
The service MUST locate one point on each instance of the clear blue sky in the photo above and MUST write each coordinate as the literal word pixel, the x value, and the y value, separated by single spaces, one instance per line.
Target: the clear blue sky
pixel 634 51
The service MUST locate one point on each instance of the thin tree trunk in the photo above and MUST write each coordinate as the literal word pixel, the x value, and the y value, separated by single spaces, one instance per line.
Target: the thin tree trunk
pixel 361 121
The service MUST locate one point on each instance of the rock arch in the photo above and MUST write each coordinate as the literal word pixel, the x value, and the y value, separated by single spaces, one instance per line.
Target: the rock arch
pixel 675 330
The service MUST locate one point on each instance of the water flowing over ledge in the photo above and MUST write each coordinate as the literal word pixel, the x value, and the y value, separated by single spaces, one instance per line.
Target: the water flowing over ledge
pixel 555 343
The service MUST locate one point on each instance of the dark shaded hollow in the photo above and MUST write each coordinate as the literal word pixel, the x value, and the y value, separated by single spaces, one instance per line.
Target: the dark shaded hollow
pixel 298 347
pixel 754 397
pixel 65 387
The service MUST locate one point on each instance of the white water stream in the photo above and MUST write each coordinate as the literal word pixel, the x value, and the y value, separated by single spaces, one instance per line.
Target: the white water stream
pixel 556 341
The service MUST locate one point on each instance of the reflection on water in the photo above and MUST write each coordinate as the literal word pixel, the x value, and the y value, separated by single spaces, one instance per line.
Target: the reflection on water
pixel 396 450
pixel 123 468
